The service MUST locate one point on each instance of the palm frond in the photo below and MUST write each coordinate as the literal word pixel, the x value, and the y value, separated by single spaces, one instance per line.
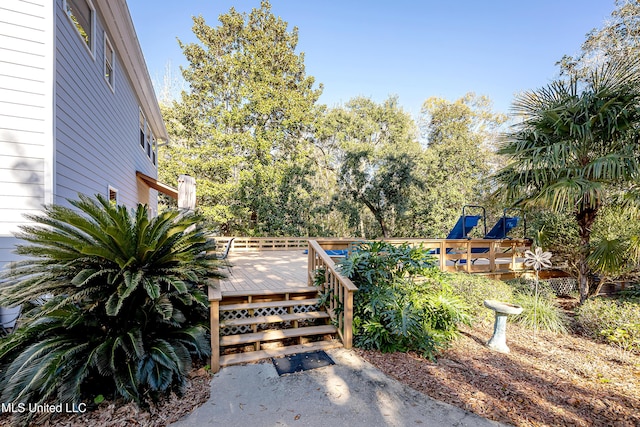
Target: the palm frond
pixel 120 296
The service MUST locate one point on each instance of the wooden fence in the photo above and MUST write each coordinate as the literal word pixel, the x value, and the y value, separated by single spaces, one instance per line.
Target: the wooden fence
pixel 251 244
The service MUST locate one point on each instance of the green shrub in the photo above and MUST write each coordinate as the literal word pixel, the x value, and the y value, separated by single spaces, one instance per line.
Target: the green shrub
pixel 633 291
pixel 402 303
pixel 615 321
pixel 123 307
pixel 474 289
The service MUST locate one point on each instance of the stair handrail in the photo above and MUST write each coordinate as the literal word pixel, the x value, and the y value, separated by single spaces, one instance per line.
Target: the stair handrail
pixel 337 291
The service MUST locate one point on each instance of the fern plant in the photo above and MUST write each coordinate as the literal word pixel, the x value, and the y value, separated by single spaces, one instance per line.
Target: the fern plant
pixel 115 303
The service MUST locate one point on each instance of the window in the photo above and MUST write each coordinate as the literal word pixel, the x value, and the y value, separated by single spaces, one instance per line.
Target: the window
pixel 109 56
pixel 143 123
pixel 154 148
pixel 147 139
pixel 113 195
pixel 82 15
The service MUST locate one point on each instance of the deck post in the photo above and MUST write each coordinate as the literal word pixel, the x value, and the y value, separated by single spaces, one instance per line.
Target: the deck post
pixel 214 311
pixel 443 258
pixel 492 256
pixel 310 265
pixel 347 331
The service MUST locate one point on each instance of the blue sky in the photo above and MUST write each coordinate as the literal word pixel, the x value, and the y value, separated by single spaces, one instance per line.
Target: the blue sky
pixel 414 49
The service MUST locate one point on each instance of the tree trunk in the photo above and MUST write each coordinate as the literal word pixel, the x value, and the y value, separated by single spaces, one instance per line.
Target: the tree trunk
pixel 383 226
pixel 377 214
pixel 585 218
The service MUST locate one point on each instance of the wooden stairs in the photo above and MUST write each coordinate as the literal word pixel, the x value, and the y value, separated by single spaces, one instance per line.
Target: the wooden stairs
pixel 255 325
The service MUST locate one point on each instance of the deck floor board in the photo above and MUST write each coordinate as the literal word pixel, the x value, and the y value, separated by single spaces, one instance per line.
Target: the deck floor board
pixel 265 270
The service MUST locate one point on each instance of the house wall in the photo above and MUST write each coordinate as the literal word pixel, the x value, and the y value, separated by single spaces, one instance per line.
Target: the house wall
pixel 97 128
pixel 26 106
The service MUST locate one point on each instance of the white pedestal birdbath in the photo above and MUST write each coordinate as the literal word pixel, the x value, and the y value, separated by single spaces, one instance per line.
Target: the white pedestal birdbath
pixel 498 340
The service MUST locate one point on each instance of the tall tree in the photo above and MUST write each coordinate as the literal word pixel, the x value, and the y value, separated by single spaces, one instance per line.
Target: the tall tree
pixel 243 126
pixel 375 150
pixel 617 39
pixel 459 137
pixel 577 143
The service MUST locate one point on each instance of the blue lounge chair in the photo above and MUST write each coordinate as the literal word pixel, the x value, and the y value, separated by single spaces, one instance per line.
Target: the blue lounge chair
pixel 503 227
pixel 463 227
pixel 499 231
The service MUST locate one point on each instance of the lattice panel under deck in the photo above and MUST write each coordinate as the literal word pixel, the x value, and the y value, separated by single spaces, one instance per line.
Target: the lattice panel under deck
pixel 234 314
pixel 563 285
pixel 259 312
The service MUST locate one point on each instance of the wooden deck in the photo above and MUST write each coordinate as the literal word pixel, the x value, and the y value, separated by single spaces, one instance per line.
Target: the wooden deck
pixel 265 264
pixel 267 270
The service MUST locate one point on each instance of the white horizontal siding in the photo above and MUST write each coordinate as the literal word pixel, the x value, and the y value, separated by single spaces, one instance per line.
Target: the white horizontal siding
pixel 26 7
pixel 26 93
pixel 17 31
pixel 21 45
pixel 22 83
pixel 23 14
pixel 7 248
pixel 12 56
pixel 24 124
pixel 17 176
pixel 26 71
pixel 20 110
pixel 26 203
pixel 15 146
pixel 18 97
pixel 97 129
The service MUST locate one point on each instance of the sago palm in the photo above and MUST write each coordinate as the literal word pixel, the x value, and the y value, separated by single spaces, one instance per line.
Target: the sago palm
pixel 577 144
pixel 117 303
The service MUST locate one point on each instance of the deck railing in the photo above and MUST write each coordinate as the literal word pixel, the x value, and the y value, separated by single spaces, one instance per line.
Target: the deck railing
pixel 337 291
pixel 469 255
pixel 251 244
pixel 214 296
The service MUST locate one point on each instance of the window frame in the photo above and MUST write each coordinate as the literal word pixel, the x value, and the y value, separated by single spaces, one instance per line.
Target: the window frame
pixel 91 44
pixel 147 140
pixel 110 62
pixel 142 121
pixel 112 190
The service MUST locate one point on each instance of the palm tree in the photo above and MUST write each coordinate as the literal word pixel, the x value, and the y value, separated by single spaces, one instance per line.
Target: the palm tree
pixel 577 144
pixel 120 304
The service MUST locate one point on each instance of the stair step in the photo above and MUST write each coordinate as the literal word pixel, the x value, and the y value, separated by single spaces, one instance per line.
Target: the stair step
pixel 274 318
pixel 276 334
pixel 263 292
pixel 255 356
pixel 268 304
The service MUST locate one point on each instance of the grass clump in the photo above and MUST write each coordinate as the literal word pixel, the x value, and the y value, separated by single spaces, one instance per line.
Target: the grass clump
pixel 540 313
pixel 474 289
pixel 540 310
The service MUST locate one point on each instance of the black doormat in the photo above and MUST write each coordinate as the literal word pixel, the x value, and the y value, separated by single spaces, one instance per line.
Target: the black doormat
pixel 301 362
